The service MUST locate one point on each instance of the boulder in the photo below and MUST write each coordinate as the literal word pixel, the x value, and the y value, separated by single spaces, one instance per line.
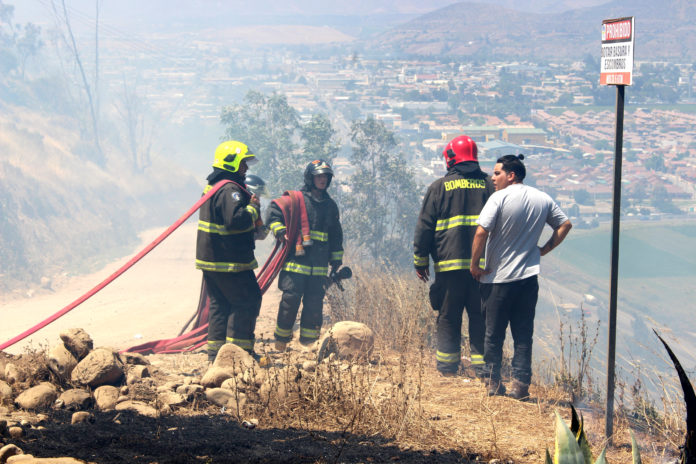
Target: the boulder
pixel 100 367
pixel 9 450
pixel 347 340
pixel 137 407
pixel 12 374
pixel 134 358
pixel 41 396
pixel 5 391
pixel 75 399
pixel 220 396
pixel 82 417
pixel 233 357
pixel 61 361
pixel 78 342
pixel 105 397
pixel 215 376
pixel 170 399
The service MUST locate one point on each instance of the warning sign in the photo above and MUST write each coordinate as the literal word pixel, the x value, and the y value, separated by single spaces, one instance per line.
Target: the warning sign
pixel 618 38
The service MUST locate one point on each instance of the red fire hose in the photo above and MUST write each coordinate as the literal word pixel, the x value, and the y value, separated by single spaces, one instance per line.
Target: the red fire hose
pixel 192 339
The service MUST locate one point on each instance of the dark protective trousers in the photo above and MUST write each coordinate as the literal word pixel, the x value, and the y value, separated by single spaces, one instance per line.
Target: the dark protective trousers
pixel 451 292
pixel 296 288
pixel 513 303
pixel 235 302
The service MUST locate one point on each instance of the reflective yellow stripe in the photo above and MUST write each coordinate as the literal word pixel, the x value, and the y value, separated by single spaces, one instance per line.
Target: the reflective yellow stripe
pixel 283 332
pixel 214 345
pixel 420 261
pixel 320 270
pixel 219 229
pixel 454 265
pixel 225 267
pixel 207 189
pixel 309 333
pixel 456 221
pixel 297 268
pixel 254 213
pixel 477 359
pixel 242 342
pixel 277 226
pixel 318 235
pixel 448 357
pixel 337 256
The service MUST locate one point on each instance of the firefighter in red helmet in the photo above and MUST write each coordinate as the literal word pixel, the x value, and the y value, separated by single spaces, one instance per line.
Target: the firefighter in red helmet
pixel 303 276
pixel 445 230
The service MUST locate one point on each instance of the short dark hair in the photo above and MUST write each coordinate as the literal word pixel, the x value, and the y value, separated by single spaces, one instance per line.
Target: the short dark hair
pixel 513 163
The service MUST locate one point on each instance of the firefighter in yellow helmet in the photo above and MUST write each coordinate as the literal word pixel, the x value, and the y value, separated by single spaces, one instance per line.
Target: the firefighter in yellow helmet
pixel 225 251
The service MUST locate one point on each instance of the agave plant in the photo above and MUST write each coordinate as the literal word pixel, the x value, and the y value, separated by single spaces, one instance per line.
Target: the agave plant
pixel 572 446
pixel 687 455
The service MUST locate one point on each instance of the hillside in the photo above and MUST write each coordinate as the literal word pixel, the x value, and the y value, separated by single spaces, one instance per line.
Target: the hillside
pixel 663 31
pixel 60 213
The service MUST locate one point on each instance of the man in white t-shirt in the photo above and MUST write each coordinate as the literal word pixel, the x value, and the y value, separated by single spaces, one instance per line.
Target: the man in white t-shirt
pixel 509 228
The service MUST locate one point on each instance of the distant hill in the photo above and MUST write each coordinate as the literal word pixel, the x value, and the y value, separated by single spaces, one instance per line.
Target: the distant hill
pixel 664 30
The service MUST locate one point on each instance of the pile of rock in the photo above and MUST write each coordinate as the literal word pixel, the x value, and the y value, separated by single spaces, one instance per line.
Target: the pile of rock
pixel 85 379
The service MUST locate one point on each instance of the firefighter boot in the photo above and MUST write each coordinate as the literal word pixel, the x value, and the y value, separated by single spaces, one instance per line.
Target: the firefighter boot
pixel 495 387
pixel 519 390
pixel 281 346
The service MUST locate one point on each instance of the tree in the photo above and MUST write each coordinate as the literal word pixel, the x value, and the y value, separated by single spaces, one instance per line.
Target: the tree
pixel 655 163
pixel 582 197
pixel 319 139
pixel 268 125
pixel 384 199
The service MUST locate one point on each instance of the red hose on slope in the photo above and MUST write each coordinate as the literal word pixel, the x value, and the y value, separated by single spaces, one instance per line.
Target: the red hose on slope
pixel 120 271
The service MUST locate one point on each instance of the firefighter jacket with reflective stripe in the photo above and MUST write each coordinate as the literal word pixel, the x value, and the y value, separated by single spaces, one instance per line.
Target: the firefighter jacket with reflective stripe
pixel 225 241
pixel 325 232
pixel 447 221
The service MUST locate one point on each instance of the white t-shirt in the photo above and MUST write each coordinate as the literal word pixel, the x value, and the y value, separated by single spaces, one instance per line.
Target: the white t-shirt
pixel 514 218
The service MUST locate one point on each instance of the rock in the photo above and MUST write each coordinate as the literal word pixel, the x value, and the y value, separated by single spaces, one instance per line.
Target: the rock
pixel 78 342
pixel 61 361
pixel 220 396
pixel 348 340
pixel 139 371
pixel 100 367
pixel 171 399
pixel 105 397
pixel 231 384
pixel 5 391
pixel 124 390
pixel 41 396
pixel 12 374
pixel 9 450
pixel 138 407
pixel 189 391
pixel 82 417
pixel 235 358
pixel 76 399
pixel 16 432
pixel 215 376
pixel 29 459
pixel 134 358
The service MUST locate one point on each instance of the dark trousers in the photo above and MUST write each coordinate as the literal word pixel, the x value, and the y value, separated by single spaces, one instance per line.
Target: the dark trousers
pixel 513 303
pixel 235 302
pixel 450 294
pixel 300 288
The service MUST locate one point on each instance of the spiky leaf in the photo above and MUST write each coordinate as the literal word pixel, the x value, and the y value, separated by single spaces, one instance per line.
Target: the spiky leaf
pixel 602 459
pixel 567 449
pixel 689 450
pixel 548 458
pixel 577 427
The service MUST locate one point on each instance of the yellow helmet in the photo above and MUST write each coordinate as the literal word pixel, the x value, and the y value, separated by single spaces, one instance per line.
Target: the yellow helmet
pixel 229 155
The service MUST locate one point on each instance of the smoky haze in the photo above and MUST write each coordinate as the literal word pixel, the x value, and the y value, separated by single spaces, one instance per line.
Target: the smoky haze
pixel 103 138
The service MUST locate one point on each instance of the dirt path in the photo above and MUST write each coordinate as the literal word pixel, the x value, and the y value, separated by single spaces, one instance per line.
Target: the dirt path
pixel 151 301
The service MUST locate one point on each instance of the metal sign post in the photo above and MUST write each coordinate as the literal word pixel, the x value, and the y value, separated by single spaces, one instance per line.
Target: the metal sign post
pixel 616 69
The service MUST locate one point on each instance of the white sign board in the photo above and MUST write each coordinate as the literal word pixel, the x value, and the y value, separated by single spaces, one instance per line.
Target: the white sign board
pixel 618 39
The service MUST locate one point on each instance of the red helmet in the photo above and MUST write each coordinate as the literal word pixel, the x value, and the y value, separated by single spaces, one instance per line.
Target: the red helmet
pixel 461 148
